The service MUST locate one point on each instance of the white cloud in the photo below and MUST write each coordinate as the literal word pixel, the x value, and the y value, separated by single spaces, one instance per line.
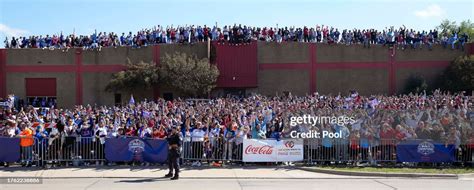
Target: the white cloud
pixel 430 12
pixel 8 31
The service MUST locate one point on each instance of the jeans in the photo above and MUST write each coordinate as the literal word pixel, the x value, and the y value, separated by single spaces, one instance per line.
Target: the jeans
pixel 461 43
pixel 27 153
pixel 453 43
pixel 173 157
pixel 366 43
pixel 429 45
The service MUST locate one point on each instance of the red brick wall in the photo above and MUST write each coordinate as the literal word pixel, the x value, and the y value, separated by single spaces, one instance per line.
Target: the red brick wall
pixel 299 67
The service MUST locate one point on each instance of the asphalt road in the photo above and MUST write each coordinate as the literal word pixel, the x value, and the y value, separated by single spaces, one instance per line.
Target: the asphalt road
pixel 247 184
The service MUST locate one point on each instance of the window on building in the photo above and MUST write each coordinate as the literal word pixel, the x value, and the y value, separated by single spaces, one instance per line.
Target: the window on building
pixel 41 101
pixel 235 92
pixel 41 92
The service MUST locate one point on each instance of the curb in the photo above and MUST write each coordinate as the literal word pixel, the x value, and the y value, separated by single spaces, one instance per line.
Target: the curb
pixel 380 174
pixel 353 174
pixel 469 176
pixel 182 177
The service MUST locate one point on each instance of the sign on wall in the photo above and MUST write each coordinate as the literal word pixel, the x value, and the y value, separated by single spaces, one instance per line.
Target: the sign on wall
pixel 272 150
pixel 425 151
pixel 135 149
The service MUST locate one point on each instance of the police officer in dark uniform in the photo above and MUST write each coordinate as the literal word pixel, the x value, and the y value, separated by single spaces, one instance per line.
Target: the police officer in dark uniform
pixel 174 143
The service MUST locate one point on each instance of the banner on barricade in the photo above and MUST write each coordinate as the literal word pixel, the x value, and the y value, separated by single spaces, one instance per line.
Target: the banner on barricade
pixel 255 150
pixel 10 149
pixel 135 149
pixel 425 151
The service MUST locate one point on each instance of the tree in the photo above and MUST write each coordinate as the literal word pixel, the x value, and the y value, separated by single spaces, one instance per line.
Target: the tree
pixel 465 26
pixel 416 84
pixel 139 75
pixel 447 26
pixel 459 76
pixel 188 74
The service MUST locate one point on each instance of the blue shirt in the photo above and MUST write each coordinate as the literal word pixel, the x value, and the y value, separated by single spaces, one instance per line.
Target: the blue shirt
pixel 39 136
pixel 327 142
pixel 275 135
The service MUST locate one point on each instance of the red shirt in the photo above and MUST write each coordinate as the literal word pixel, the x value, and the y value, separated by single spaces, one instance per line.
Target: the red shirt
pixel 471 142
pixel 270 33
pixel 325 32
pixel 160 134
pixel 354 143
pixel 151 123
pixel 131 132
pixel 387 136
pixel 399 135
pixel 400 38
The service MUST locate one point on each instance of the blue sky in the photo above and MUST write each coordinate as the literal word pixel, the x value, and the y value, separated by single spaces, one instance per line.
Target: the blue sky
pixel 40 17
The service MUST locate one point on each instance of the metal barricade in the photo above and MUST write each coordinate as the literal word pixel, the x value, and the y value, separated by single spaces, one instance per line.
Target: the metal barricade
pixel 200 149
pixel 193 149
pixel 73 149
pixel 344 150
pixel 214 149
pixel 83 150
pixel 30 155
pixel 465 154
pixel 237 149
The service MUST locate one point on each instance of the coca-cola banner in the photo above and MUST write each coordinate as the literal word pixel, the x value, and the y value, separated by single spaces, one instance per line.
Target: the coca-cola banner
pixel 256 150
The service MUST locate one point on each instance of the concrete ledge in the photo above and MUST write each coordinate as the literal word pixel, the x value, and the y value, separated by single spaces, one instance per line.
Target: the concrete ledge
pixel 205 172
pixel 140 172
pixel 380 174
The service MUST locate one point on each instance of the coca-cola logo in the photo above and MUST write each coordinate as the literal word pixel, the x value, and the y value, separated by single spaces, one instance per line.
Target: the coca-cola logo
pixel 259 149
pixel 289 144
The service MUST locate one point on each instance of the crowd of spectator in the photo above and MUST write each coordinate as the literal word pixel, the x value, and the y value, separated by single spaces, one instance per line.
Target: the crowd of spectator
pixel 402 37
pixel 443 117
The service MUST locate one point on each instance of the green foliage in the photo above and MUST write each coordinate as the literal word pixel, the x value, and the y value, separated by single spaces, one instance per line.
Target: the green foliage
pixel 447 26
pixel 465 26
pixel 416 84
pixel 188 74
pixel 137 76
pixel 459 76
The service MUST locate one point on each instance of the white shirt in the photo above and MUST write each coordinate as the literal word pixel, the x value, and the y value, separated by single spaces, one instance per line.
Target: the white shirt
pixel 214 133
pixel 102 134
pixel 187 137
pixel 197 135
pixel 240 139
pixel 11 132
pixel 357 124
